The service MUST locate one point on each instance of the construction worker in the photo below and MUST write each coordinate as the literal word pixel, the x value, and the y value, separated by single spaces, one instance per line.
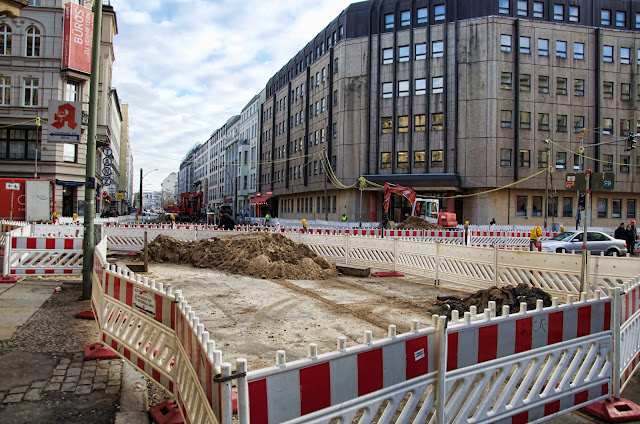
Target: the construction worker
pixel 344 217
pixel 267 217
pixel 55 217
pixel 173 220
pixel 304 225
pixel 534 236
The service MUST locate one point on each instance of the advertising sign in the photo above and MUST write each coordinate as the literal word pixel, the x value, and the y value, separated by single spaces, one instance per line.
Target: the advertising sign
pixel 65 122
pixel 77 38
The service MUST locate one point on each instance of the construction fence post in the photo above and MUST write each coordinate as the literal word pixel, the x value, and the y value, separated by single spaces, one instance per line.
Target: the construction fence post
pixel 7 253
pixel 615 325
pixel 243 391
pixel 437 266
pixel 495 265
pixel 346 251
pixel 442 370
pixel 395 253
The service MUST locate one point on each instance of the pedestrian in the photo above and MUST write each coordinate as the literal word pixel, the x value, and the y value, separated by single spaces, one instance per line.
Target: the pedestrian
pixel 536 233
pixel 620 233
pixel 304 225
pixel 632 235
pixel 493 221
pixel 267 217
pixel 344 217
pixel 227 222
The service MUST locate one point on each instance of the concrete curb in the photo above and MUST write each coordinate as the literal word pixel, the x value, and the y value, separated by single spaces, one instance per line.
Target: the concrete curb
pixel 133 398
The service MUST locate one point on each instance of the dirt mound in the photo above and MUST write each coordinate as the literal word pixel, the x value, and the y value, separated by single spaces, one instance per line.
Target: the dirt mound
pixel 507 295
pixel 416 223
pixel 261 255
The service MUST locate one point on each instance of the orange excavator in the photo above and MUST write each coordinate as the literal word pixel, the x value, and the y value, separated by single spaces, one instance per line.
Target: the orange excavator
pixel 427 209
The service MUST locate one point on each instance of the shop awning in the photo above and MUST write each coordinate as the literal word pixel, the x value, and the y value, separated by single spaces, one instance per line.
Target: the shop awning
pixel 70 183
pixel 260 200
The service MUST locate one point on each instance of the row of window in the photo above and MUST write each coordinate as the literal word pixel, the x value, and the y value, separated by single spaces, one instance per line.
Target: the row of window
pixel 18 144
pixel 419 123
pixel 573 13
pixel 522 207
pixel 420 52
pixel 420 87
pixel 419 157
pixel 32 41
pixel 422 17
pixel 561 158
pixel 506 121
pixel 305 205
pixel 31 88
pixel 524 47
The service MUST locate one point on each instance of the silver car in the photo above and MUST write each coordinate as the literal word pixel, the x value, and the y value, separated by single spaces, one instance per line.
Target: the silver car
pixel 597 242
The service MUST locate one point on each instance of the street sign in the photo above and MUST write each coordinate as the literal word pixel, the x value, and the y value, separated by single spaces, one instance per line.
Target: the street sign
pixel 120 196
pixel 603 181
pixel 65 122
pixel 577 181
pixel 571 180
pixel 13 186
pixel 104 193
pixel 106 181
pixel 107 151
pixel 106 171
pixel 107 161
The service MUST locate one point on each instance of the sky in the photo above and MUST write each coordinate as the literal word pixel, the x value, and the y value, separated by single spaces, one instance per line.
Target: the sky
pixel 186 66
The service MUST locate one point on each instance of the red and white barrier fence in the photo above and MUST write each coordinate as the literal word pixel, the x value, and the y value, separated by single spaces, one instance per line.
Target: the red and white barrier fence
pixel 25 255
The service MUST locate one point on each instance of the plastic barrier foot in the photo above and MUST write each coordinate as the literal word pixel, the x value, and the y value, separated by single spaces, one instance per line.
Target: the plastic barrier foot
pixel 387 274
pixel 166 413
pixel 614 411
pixel 88 314
pixel 98 351
pixel 8 279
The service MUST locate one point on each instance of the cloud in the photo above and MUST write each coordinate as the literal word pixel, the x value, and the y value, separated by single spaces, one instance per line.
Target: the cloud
pixel 185 67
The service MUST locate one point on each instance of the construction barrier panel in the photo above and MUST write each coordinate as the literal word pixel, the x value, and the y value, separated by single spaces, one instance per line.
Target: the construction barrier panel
pixel 42 255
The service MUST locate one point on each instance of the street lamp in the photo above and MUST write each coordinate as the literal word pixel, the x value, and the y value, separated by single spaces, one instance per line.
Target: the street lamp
pixel 141 177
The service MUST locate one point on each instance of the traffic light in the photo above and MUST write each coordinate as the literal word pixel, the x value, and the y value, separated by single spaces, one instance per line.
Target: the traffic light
pixel 631 142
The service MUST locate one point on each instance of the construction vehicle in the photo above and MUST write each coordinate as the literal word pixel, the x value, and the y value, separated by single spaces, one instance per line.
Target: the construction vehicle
pixel 427 209
pixel 190 207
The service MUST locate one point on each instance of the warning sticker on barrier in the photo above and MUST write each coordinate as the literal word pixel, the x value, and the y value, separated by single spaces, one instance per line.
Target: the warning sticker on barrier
pixel 144 300
pixel 418 355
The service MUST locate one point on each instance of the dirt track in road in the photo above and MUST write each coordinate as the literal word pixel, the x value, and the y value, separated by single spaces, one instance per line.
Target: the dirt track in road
pixel 252 318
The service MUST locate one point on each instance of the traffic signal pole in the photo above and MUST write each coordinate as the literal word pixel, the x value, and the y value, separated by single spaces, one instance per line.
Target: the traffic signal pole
pixel 90 170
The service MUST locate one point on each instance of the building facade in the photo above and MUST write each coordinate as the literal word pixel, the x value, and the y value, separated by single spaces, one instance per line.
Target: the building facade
pixel 169 189
pixel 186 174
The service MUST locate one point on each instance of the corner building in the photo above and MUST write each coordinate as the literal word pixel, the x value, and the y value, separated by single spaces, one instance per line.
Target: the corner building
pixel 457 98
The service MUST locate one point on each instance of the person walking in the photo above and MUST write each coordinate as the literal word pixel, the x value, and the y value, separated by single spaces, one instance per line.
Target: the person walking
pixel 632 236
pixel 267 217
pixel 620 233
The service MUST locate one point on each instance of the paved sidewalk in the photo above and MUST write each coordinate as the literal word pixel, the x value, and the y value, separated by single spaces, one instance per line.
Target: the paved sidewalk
pixel 43 377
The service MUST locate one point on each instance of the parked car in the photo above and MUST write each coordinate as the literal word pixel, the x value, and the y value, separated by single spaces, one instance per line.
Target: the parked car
pixel 597 242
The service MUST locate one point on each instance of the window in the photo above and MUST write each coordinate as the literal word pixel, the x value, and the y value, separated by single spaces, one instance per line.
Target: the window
pixel 318 79
pixel 387 90
pixel 505 43
pixel 558 12
pixel 543 47
pixel 625 127
pixel 5 91
pixel 574 13
pixel 561 49
pixel 423 14
pixel 437 48
pixel 561 121
pixel 403 53
pixel 505 118
pixel 607 165
pixel 437 85
pixel 523 8
pixel 503 7
pixel 578 87
pixel 525 158
pixel 33 42
pixel 405 18
pixel 335 66
pixel 607 90
pixel 388 21
pixel 543 159
pixel 18 144
pixel 602 208
pixel 607 126
pixel 625 162
pixel 561 86
pixel 31 91
pixel 621 19
pixel 538 9
pixel 625 91
pixel 323 104
pixel 607 54
pixel 419 158
pixel 525 82
pixel 543 84
pixel 578 123
pixel 576 161
pixel 561 160
pixel 421 51
pixel 5 40
pixel 70 153
pixel 543 121
pixel 335 98
pixel 625 55
pixel 567 207
pixel 403 124
pixel 505 157
pixel 536 206
pixel 403 88
pixel 525 120
pixel 637 20
pixel 631 208
pixel 578 51
pixel 403 159
pixel 421 87
pixel 525 45
pixel 506 81
pixel 419 122
pixel 521 205
pixel 605 17
pixel 436 158
pixel 324 75
pixel 387 125
pixel 437 121
pixel 335 130
pixel 385 160
pixel 438 13
pixel 387 57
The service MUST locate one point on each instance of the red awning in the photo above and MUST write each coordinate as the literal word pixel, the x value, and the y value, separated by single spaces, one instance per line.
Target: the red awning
pixel 260 200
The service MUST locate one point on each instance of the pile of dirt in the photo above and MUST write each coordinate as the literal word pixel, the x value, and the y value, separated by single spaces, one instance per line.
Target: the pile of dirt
pixel 261 255
pixel 507 295
pixel 417 223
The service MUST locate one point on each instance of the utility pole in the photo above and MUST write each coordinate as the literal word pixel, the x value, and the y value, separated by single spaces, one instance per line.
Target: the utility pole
pixel 140 191
pixel 546 186
pixel 585 254
pixel 90 170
